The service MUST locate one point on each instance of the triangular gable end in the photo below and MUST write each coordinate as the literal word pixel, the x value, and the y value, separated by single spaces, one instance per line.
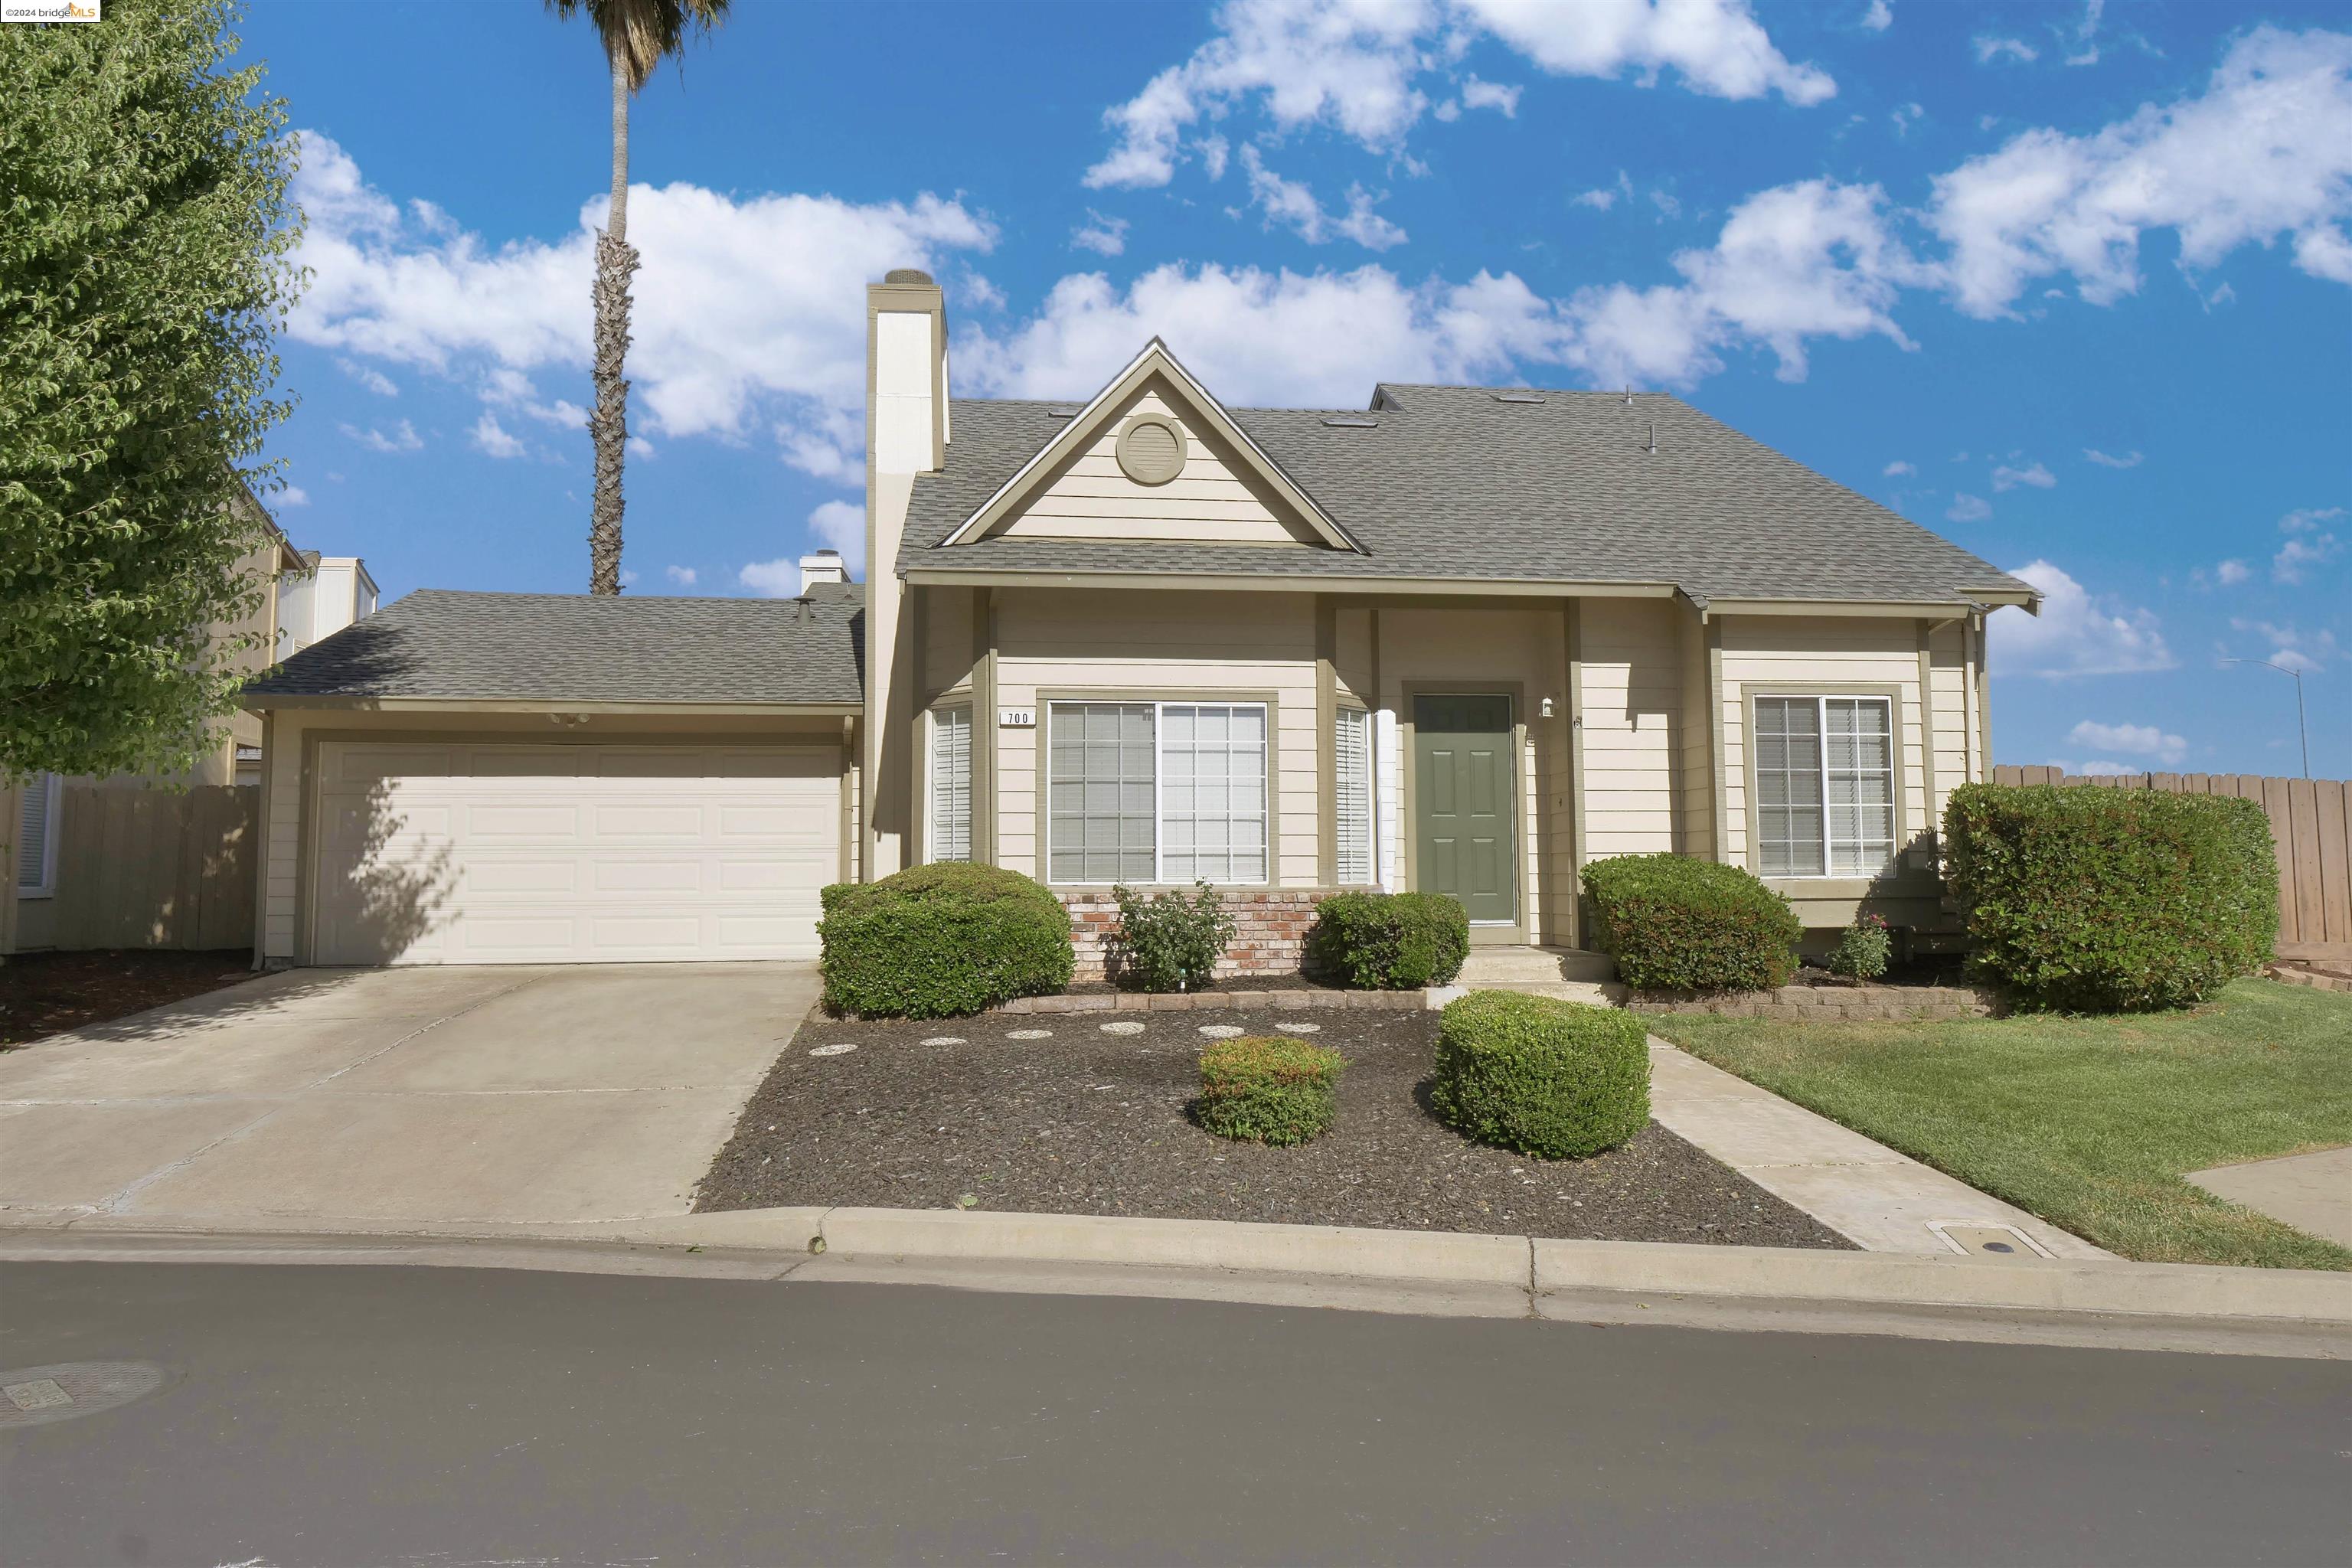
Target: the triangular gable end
pixel 1189 403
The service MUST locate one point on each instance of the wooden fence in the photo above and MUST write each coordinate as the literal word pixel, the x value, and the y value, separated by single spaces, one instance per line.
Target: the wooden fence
pixel 2311 828
pixel 145 867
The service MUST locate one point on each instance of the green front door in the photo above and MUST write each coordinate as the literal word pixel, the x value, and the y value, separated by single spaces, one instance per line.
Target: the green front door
pixel 1464 843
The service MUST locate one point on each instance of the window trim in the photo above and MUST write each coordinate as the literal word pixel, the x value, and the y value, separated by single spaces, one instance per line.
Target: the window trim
pixel 1891 694
pixel 958 703
pixel 1042 770
pixel 54 785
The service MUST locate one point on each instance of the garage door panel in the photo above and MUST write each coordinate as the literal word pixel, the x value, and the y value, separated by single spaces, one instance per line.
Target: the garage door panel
pixel 590 853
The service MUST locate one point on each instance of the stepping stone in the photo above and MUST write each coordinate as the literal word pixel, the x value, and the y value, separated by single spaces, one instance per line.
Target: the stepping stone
pixel 1124 1027
pixel 1030 1035
pixel 945 1040
pixel 842 1049
pixel 1304 1029
pixel 1221 1031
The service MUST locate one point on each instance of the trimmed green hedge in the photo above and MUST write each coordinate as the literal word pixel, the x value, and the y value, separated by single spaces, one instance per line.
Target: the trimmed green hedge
pixel 940 941
pixel 1552 1079
pixel 1389 941
pixel 2111 900
pixel 1676 923
pixel 1268 1088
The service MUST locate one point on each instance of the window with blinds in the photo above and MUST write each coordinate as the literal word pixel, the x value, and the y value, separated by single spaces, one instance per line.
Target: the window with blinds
pixel 1824 782
pixel 950 785
pixel 36 845
pixel 1156 791
pixel 1351 810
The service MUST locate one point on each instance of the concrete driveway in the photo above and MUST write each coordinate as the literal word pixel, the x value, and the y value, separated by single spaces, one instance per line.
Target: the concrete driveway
pixel 396 1097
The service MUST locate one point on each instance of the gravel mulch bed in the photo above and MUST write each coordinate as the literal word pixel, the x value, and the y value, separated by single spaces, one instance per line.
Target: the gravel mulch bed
pixel 44 993
pixel 1083 1120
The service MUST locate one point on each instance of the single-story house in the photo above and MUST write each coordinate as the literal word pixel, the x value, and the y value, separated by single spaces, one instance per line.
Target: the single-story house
pixel 1463 639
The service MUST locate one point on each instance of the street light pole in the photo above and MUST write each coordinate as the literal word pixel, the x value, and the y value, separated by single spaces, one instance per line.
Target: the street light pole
pixel 2301 733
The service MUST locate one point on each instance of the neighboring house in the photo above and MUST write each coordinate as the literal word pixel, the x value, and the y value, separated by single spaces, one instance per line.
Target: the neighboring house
pixel 305 598
pixel 1463 639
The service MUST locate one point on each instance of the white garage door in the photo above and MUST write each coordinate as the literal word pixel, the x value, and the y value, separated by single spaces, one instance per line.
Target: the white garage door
pixel 585 854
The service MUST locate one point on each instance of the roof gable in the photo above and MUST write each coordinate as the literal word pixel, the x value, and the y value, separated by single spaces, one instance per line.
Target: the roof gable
pixel 1219 483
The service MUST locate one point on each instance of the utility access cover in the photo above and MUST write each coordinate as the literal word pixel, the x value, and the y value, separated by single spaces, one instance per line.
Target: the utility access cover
pixel 1982 1240
pixel 36 1396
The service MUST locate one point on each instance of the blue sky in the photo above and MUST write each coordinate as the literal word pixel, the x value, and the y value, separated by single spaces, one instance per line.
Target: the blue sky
pixel 2070 285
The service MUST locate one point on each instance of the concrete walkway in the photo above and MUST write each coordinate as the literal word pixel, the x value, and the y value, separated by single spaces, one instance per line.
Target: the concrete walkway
pixel 551 1095
pixel 2311 1192
pixel 1876 1198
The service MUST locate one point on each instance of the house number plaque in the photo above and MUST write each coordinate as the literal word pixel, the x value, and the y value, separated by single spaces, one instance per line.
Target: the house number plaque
pixel 1016 717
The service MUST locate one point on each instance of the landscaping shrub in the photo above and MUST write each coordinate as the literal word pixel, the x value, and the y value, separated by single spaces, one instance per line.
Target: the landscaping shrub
pixel 1862 950
pixel 938 940
pixel 1556 1080
pixel 1389 941
pixel 2111 900
pixel 1171 943
pixel 1675 924
pixel 1268 1088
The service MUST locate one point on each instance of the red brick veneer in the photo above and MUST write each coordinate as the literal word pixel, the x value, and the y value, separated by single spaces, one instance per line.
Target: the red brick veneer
pixel 1270 924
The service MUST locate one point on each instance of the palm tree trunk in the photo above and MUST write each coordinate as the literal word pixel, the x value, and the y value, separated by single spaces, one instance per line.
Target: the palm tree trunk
pixel 608 426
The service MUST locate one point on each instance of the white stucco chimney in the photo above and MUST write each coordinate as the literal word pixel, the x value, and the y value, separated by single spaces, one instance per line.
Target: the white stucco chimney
pixel 905 435
pixel 824 566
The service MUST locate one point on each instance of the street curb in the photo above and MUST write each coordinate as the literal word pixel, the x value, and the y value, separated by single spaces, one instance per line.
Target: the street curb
pixel 2312 1302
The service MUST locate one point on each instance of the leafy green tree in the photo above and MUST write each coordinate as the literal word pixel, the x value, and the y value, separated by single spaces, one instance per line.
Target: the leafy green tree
pixel 637 35
pixel 144 233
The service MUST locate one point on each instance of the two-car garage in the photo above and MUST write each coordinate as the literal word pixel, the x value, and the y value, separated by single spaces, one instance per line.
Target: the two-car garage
pixel 503 853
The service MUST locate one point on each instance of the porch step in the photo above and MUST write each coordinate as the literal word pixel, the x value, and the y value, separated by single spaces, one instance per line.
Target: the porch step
pixel 1521 968
pixel 1592 992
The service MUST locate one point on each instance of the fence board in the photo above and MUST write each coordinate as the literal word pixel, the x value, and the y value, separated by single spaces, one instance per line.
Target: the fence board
pixel 2335 861
pixel 152 868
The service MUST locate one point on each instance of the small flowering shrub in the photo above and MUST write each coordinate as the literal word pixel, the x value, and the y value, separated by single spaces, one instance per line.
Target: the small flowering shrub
pixel 1171 943
pixel 1862 950
pixel 1268 1088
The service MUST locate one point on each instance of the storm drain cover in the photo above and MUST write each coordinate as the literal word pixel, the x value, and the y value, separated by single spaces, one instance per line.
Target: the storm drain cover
pixel 1980 1240
pixel 38 1395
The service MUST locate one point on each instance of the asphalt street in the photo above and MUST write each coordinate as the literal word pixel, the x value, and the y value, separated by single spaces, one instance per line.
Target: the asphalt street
pixel 367 1415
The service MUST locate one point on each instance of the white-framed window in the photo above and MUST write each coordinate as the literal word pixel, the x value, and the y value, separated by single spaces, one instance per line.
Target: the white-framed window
pixel 1351 808
pixel 1155 792
pixel 36 838
pixel 1824 782
pixel 950 787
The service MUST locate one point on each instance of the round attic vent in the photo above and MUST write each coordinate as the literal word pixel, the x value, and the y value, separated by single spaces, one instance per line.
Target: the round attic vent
pixel 1152 448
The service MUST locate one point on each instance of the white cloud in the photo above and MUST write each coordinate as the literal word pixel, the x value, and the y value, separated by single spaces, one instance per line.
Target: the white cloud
pixel 2132 739
pixel 1603 198
pixel 2005 477
pixel 841 525
pixel 1319 340
pixel 1879 18
pixel 291 495
pixel 1966 507
pixel 1989 47
pixel 403 438
pixel 2093 770
pixel 683 576
pixel 2076 633
pixel 1103 236
pixel 1357 68
pixel 2088 52
pixel 493 438
pixel 1292 205
pixel 2131 459
pixel 375 381
pixel 2264 153
pixel 1905 116
pixel 2230 574
pixel 639 446
pixel 745 307
pixel 1898 470
pixel 777 579
pixel 2309 652
pixel 1476 94
pixel 2308 546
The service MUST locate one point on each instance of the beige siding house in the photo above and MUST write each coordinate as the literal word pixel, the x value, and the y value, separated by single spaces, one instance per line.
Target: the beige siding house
pixel 1462 639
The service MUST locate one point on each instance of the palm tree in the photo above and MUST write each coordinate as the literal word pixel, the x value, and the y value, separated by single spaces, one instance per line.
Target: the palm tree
pixel 637 34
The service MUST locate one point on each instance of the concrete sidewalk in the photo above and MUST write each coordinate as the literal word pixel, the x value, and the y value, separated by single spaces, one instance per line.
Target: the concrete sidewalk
pixel 1879 1200
pixel 420 1097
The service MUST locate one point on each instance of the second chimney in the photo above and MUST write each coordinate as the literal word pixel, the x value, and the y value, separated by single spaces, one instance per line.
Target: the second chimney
pixel 824 566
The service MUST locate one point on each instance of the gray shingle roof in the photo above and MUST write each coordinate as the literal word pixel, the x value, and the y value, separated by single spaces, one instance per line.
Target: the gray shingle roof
pixel 573 648
pixel 1450 482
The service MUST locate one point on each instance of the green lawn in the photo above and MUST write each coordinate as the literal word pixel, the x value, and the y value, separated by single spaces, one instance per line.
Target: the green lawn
pixel 2088 1122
